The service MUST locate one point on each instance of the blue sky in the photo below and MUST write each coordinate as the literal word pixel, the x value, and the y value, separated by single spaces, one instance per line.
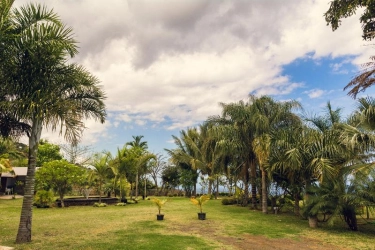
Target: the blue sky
pixel 166 64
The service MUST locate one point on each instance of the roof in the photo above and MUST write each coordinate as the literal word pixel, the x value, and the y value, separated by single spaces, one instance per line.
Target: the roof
pixel 18 171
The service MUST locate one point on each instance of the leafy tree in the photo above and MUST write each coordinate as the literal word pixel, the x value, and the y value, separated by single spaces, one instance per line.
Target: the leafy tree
pixel 75 153
pixel 155 167
pixel 187 180
pixel 59 175
pixel 47 152
pixel 42 89
pixel 340 9
pixel 171 177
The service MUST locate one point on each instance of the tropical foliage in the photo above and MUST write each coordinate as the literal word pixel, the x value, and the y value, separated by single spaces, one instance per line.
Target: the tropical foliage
pixel 39 87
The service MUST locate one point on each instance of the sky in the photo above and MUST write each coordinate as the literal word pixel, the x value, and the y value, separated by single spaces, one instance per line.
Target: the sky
pixel 165 65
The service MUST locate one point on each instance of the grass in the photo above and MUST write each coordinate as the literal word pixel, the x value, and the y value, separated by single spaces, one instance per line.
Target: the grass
pixel 135 227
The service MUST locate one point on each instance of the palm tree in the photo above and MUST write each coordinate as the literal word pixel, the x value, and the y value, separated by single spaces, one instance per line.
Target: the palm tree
pixel 235 128
pixel 10 125
pixel 183 156
pixel 140 158
pixel 268 116
pixel 101 169
pixel 363 80
pixel 308 154
pixel 42 89
pixel 242 123
pixel 137 143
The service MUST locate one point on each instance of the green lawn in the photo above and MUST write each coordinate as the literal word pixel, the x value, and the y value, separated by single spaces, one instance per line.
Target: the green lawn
pixel 135 227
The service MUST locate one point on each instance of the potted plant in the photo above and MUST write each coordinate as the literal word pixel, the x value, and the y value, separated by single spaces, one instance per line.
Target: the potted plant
pixel 159 204
pixel 199 202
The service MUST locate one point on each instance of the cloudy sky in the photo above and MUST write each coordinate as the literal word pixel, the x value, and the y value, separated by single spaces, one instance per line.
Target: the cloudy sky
pixel 166 64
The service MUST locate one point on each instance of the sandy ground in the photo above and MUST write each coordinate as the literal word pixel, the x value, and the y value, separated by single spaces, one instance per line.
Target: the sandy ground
pixel 8 197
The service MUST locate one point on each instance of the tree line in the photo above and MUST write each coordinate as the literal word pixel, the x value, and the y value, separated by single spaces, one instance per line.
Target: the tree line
pixel 325 161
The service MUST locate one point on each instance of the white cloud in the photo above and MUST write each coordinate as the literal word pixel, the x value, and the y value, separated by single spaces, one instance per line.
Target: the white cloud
pixel 315 93
pixel 169 63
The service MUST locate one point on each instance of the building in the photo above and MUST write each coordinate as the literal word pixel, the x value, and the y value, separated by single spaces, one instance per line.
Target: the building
pixel 13 181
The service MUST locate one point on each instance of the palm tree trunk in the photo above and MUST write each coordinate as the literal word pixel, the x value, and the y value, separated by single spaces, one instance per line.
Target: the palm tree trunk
pixel 350 217
pixel 246 191
pixel 100 191
pixel 296 203
pixel 136 186
pixel 24 229
pixel 264 191
pixel 313 219
pixel 131 190
pixel 253 184
pixel 217 187
pixel 209 186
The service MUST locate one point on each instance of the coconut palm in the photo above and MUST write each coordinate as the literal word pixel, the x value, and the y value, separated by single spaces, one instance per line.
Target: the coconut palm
pixel 184 153
pixel 42 89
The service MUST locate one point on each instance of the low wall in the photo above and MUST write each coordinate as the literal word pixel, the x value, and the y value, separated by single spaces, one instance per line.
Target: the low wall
pixel 86 202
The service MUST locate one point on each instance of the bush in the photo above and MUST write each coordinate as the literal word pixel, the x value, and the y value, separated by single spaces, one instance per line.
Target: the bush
pixel 97 204
pixel 43 199
pixel 229 201
pixel 121 204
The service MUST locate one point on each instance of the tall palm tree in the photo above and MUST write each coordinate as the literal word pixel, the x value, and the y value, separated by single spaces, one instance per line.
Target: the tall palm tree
pixel 101 169
pixel 243 122
pixel 140 157
pixel 137 142
pixel 42 89
pixel 268 116
pixel 183 156
pixel 236 129
pixel 10 125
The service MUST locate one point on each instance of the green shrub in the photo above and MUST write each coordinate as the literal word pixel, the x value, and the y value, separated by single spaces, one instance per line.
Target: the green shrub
pixel 43 199
pixel 228 201
pixel 121 204
pixel 97 204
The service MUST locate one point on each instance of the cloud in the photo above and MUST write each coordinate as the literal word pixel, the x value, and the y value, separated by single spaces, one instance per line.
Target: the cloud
pixel 168 63
pixel 315 93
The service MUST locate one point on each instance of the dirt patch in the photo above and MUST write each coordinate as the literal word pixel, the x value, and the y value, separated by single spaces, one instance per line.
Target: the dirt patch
pixel 212 231
pixel 255 242
pixel 9 197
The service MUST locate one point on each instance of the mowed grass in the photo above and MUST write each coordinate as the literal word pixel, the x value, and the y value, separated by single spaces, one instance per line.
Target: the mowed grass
pixel 135 227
